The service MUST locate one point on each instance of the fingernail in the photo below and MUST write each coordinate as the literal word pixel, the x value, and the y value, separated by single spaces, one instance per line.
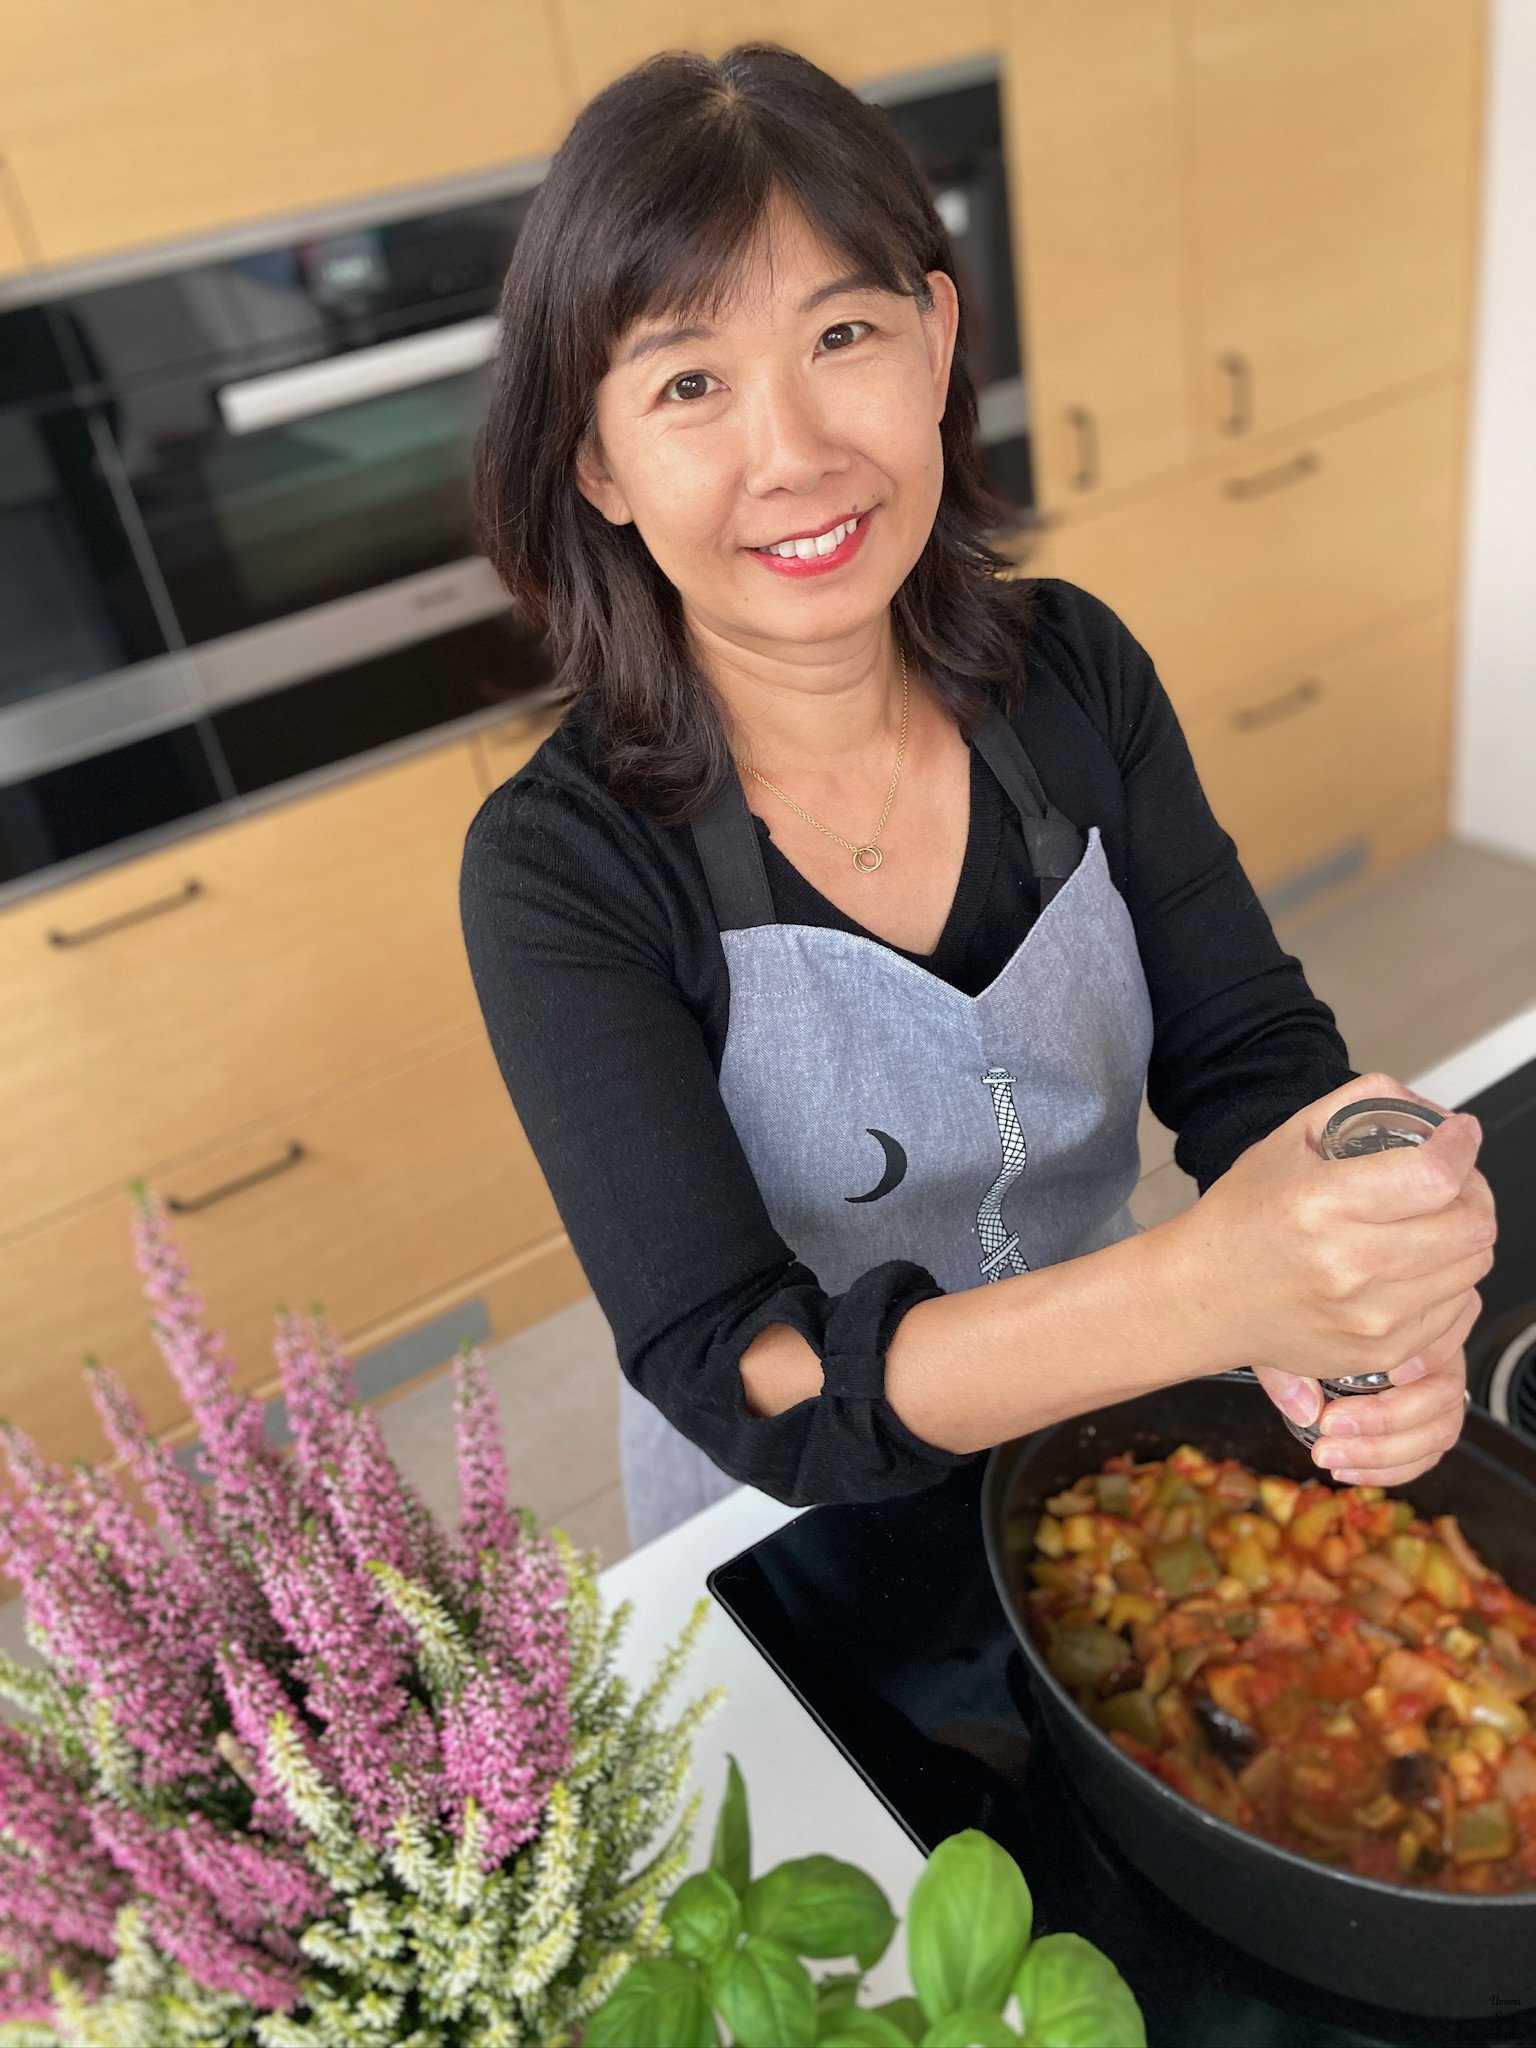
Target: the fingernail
pixel 1328 1455
pixel 1410 1370
pixel 1347 1476
pixel 1336 1423
pixel 1302 1400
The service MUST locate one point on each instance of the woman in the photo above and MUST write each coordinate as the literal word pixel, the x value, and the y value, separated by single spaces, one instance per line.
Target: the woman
pixel 828 945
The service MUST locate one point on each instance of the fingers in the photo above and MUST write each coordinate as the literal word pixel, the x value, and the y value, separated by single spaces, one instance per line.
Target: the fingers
pixel 1382 1438
pixel 1300 1399
pixel 1408 1180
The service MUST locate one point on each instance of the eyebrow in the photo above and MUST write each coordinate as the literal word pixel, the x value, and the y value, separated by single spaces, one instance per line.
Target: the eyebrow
pixel 675 337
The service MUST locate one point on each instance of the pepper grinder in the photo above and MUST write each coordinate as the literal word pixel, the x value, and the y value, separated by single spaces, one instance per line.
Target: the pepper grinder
pixel 1378 1124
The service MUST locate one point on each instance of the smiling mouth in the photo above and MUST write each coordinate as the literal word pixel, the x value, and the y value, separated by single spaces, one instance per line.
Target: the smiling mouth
pixel 808 547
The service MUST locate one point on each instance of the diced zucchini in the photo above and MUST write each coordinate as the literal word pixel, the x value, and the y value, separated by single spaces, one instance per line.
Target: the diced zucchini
pixel 1131 1713
pixel 1484 1833
pixel 1184 1567
pixel 1083 1656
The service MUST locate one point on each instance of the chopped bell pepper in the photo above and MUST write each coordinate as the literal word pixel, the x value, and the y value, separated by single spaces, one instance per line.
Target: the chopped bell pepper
pixel 1184 1567
pixel 1483 1833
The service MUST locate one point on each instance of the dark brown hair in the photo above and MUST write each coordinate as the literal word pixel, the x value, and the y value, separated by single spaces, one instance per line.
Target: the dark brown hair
pixel 662 186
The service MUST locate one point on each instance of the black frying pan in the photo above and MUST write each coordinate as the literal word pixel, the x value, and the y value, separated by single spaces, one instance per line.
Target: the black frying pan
pixel 1416 1951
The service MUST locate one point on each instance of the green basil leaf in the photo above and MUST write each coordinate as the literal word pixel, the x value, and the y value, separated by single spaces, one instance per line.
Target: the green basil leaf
pixel 976 2027
pixel 657 2003
pixel 860 2027
pixel 1072 1996
pixel 820 1907
pixel 703 1916
pixel 765 1995
pixel 731 1853
pixel 905 2013
pixel 834 1993
pixel 967 1926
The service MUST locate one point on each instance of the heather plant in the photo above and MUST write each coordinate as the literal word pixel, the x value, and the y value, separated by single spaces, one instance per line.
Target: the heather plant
pixel 300 1768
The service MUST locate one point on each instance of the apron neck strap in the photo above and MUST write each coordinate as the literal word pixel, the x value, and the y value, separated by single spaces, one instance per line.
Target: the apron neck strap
pixel 1053 842
pixel 725 833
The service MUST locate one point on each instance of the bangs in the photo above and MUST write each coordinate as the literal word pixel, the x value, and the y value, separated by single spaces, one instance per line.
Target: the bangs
pixel 713 189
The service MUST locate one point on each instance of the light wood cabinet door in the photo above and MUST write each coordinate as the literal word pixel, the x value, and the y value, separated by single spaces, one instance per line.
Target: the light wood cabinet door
pixel 1333 152
pixel 1093 112
pixel 857 41
pixel 205 987
pixel 417 1179
pixel 1299 763
pixel 13 256
pixel 133 124
pixel 1237 574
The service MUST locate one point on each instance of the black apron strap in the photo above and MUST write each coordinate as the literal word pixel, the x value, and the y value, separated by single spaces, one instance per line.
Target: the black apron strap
pixel 1054 844
pixel 732 854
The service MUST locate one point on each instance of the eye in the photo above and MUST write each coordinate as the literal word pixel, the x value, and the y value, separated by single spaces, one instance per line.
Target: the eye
pixel 844 327
pixel 696 378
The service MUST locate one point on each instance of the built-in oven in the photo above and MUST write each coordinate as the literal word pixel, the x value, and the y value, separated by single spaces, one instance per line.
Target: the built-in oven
pixel 235 544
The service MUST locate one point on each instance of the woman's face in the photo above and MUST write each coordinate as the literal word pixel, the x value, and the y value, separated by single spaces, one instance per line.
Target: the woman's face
pixel 814 401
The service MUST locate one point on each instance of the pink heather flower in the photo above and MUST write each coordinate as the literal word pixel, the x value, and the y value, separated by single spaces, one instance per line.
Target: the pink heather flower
pixel 182 1920
pixel 184 1513
pixel 486 1522
pixel 255 1700
pixel 498 1752
pixel 104 1630
pixel 52 1878
pixel 198 1359
pixel 254 1886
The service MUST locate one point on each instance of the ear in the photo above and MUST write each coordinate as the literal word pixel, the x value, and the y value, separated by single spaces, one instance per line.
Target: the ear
pixel 941 323
pixel 596 483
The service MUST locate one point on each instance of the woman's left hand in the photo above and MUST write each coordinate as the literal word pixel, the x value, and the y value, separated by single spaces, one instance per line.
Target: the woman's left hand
pixel 1389 1438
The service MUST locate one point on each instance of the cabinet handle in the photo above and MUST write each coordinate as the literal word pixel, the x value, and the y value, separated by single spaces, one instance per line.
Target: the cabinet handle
pixel 1081 420
pixel 1252 716
pixel 1275 479
pixel 87 932
pixel 188 1205
pixel 1240 372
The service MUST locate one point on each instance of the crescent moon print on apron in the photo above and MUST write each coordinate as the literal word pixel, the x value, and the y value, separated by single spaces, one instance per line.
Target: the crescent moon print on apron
pixel 887 1115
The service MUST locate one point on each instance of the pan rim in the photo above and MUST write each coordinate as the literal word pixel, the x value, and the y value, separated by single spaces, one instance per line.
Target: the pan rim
pixel 1134 1774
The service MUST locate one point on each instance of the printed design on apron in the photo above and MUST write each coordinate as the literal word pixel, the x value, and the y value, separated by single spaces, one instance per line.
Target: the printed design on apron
pixel 895 1167
pixel 1000 1247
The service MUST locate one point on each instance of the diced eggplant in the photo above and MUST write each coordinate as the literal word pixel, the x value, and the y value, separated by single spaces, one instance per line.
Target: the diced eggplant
pixel 1231 1739
pixel 1414 1778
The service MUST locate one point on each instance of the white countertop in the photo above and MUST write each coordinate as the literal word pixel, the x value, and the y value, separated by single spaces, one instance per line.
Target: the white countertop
pixel 805 1797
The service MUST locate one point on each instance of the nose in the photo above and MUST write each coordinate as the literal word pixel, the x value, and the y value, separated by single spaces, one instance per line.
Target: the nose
pixel 789 445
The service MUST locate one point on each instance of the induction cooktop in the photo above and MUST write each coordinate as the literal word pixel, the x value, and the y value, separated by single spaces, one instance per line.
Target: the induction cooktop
pixel 883 1622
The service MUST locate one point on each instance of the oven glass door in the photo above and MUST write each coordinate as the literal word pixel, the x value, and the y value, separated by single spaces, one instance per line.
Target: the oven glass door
pixel 261 522
pixel 72 599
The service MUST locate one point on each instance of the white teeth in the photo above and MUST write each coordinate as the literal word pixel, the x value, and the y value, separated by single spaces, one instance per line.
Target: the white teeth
pixel 809 548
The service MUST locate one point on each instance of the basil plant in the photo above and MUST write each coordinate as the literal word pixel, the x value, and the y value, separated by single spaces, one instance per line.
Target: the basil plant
pixel 740 1946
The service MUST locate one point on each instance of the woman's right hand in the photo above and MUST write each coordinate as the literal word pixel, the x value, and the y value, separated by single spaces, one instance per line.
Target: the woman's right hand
pixel 1323 1268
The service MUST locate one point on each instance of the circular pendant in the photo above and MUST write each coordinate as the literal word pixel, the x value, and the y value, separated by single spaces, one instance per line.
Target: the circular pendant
pixel 867 858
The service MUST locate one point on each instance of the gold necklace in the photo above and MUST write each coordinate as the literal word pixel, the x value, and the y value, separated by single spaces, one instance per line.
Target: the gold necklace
pixel 866 856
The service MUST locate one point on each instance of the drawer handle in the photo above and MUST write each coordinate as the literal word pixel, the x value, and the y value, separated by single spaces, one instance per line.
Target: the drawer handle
pixel 1275 479
pixel 1240 372
pixel 1083 424
pixel 1273 709
pixel 188 1205
pixel 87 932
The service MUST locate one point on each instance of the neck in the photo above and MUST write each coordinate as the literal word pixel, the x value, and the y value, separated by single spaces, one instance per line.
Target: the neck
pixel 809 711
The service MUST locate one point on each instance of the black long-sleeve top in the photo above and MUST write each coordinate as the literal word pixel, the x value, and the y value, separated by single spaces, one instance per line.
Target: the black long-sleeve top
pixel 604 986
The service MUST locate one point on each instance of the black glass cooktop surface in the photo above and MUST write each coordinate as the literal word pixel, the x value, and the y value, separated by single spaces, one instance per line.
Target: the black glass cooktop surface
pixel 882 1620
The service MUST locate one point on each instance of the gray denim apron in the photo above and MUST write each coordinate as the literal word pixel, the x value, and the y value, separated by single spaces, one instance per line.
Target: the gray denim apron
pixel 886 1115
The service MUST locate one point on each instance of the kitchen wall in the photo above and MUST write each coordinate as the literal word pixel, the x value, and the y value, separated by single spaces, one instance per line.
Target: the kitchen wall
pixel 1495 775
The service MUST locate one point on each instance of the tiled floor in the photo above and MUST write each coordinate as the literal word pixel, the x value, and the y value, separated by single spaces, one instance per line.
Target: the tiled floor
pixel 1415 967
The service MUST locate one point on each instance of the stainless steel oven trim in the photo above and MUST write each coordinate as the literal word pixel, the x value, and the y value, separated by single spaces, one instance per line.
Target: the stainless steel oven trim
pixel 349 629
pixel 60 726
pixel 58 281
pixel 131 703
pixel 256 403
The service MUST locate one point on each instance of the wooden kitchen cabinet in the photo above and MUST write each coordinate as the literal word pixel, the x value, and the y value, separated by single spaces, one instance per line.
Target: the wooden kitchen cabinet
pixel 409 1184
pixel 13 255
pixel 1277 557
pixel 1094 128
pixel 857 41
pixel 1333 165
pixel 283 956
pixel 129 124
pixel 1311 755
